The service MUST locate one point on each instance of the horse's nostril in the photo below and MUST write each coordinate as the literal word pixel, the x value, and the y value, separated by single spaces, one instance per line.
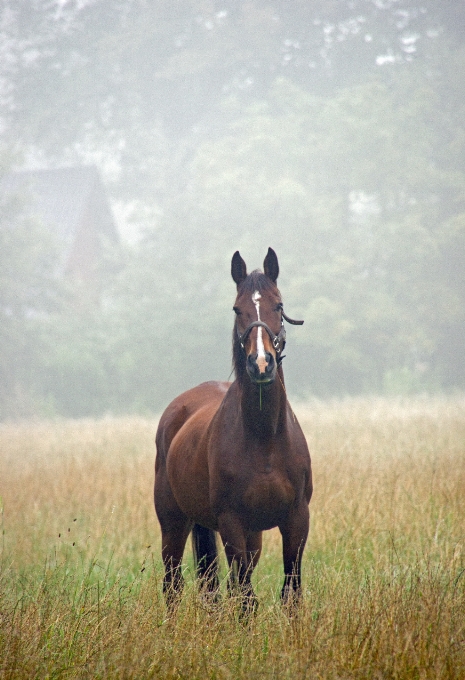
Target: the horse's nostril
pixel 252 360
pixel 270 362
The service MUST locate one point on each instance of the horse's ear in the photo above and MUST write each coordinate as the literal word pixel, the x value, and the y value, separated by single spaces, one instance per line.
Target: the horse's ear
pixel 270 265
pixel 238 268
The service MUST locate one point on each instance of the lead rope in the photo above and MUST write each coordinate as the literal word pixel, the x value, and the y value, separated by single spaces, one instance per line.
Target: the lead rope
pixel 287 400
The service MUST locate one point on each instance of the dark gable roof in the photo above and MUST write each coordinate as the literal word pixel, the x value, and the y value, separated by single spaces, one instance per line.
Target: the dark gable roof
pixel 62 199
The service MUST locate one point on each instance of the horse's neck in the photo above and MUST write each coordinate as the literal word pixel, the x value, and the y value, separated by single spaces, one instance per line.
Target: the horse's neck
pixel 264 409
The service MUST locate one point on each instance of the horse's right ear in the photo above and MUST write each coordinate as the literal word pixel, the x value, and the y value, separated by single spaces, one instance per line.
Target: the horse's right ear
pixel 238 268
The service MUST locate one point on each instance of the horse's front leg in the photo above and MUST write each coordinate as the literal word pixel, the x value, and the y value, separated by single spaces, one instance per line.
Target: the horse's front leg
pixel 242 551
pixel 294 532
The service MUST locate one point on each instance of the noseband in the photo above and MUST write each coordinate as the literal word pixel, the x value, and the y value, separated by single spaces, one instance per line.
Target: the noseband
pixel 278 341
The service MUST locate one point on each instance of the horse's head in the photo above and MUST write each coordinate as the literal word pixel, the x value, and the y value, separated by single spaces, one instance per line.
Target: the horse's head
pixel 259 328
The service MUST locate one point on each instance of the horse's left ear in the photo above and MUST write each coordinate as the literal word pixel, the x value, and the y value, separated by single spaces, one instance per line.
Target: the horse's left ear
pixel 270 265
pixel 238 269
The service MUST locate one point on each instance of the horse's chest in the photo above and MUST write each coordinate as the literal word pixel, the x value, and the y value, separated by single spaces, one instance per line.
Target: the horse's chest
pixel 266 498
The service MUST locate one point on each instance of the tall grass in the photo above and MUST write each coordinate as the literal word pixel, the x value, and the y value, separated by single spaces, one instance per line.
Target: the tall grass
pixel 384 570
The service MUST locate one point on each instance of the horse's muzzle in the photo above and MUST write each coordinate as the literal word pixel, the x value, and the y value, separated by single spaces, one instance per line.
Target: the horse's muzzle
pixel 263 372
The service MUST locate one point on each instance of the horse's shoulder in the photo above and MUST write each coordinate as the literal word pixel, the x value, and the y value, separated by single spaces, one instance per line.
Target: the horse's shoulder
pixel 214 387
pixel 190 404
pixel 203 396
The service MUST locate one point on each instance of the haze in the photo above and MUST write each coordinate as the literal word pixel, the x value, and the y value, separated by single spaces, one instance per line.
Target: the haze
pixel 331 131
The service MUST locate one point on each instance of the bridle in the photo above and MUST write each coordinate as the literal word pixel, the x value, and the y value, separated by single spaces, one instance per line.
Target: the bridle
pixel 278 341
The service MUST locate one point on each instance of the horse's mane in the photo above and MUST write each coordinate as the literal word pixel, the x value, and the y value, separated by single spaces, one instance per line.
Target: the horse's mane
pixel 255 281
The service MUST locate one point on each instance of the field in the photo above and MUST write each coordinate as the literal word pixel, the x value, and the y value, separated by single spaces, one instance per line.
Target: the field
pixel 384 569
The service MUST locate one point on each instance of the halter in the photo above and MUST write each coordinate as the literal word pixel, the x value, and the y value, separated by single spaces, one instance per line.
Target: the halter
pixel 278 341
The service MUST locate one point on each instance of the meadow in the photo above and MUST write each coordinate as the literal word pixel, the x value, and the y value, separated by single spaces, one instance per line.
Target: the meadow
pixel 383 572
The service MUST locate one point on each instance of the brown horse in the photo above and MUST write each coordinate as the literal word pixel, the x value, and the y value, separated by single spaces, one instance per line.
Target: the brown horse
pixel 232 458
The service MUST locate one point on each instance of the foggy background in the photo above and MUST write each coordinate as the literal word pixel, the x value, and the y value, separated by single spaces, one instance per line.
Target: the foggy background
pixel 142 143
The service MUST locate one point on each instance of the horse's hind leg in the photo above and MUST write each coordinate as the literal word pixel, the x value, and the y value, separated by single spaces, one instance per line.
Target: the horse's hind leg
pixel 173 542
pixel 206 559
pixel 175 528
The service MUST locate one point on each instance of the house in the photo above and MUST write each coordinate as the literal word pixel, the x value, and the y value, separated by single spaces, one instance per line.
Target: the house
pixel 71 202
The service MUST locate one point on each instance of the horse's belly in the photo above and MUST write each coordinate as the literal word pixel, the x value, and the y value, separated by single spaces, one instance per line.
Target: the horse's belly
pixel 187 472
pixel 267 501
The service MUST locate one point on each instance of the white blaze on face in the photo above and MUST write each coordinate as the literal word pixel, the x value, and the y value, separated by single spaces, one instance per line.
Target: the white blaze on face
pixel 260 346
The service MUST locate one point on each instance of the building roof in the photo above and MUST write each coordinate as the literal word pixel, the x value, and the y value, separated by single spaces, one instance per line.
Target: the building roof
pixel 62 198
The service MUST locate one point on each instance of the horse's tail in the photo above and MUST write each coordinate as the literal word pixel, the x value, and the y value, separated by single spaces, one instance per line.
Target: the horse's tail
pixel 205 556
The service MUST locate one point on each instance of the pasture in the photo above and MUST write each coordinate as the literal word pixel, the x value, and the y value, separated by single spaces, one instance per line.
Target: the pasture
pixel 383 571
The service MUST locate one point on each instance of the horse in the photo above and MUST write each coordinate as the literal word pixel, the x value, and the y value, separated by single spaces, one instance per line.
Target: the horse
pixel 232 458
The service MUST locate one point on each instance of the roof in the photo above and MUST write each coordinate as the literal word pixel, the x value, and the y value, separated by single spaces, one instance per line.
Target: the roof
pixel 61 198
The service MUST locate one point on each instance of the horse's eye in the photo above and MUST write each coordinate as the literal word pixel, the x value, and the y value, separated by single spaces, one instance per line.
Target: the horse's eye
pixel 279 307
pixel 237 310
